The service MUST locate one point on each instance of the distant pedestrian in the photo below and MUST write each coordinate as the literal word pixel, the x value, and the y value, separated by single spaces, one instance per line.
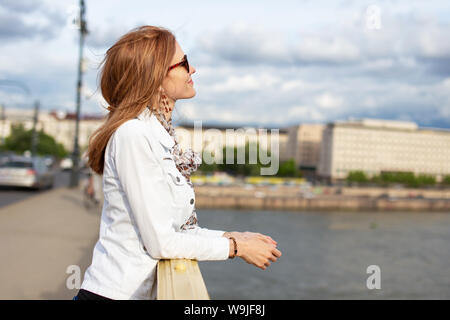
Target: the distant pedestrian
pixel 149 202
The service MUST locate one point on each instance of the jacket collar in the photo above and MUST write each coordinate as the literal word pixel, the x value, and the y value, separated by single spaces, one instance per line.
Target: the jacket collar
pixel 158 129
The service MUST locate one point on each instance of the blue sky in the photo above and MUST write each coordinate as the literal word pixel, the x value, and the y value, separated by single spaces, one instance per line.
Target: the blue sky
pixel 258 62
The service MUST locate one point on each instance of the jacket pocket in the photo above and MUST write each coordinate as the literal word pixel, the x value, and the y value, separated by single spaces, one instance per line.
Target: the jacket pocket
pixel 177 184
pixel 176 177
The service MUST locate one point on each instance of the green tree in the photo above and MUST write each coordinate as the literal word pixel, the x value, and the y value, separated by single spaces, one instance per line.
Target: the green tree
pixel 20 140
pixel 446 180
pixel 235 168
pixel 425 180
pixel 289 169
pixel 387 178
pixel 357 176
pixel 405 178
pixel 206 168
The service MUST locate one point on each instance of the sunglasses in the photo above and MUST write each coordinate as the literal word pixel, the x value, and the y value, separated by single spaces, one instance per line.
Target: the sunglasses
pixel 183 63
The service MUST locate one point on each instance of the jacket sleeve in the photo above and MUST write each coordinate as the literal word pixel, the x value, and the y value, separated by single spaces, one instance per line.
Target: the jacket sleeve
pixel 204 232
pixel 148 194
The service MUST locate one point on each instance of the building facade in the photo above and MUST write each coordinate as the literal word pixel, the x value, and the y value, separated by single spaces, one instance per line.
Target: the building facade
pixel 375 146
pixel 212 139
pixel 61 126
pixel 304 145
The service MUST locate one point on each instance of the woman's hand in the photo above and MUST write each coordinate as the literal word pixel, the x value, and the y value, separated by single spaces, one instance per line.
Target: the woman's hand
pixel 255 248
pixel 247 235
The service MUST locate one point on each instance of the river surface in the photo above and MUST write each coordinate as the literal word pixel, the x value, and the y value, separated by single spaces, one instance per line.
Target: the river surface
pixel 326 255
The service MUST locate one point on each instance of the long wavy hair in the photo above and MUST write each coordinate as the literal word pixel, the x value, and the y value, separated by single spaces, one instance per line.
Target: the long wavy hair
pixel 132 72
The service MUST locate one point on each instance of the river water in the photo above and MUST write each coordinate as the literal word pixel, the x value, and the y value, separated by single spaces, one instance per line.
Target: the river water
pixel 326 255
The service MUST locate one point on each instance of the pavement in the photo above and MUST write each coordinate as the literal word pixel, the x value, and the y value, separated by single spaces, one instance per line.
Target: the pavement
pixel 40 238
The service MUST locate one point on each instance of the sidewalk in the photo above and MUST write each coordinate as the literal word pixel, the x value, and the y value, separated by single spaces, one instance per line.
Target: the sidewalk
pixel 39 238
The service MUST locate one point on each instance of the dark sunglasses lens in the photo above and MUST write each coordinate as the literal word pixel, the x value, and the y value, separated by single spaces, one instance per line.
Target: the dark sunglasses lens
pixel 186 63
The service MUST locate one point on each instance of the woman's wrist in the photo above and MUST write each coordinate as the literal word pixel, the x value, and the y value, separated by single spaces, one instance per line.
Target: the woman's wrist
pixel 233 252
pixel 227 234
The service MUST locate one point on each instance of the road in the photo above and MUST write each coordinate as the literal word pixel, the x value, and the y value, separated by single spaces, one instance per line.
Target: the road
pixel 41 238
pixel 9 195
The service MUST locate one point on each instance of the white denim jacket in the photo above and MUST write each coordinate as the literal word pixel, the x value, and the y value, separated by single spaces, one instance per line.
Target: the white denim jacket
pixel 147 202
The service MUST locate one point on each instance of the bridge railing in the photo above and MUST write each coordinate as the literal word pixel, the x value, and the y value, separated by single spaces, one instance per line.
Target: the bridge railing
pixel 180 279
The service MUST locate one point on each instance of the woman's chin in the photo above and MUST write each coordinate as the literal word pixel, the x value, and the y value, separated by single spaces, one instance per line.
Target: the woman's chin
pixel 190 94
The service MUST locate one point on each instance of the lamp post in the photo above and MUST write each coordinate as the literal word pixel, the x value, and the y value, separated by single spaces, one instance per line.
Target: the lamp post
pixel 34 137
pixel 74 178
pixel 2 117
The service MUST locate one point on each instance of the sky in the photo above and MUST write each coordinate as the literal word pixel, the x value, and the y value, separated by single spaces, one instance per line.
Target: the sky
pixel 265 63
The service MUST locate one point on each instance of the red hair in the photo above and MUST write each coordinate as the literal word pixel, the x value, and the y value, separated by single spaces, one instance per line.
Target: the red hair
pixel 133 70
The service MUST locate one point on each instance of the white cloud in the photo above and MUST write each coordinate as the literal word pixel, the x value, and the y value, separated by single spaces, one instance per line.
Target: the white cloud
pixel 248 82
pixel 305 114
pixel 304 61
pixel 446 83
pixel 320 48
pixel 378 64
pixel 369 102
pixel 186 111
pixel 292 85
pixel 329 101
pixel 433 41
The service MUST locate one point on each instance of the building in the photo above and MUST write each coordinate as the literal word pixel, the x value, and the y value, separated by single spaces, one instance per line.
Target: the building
pixel 212 139
pixel 61 126
pixel 303 145
pixel 375 146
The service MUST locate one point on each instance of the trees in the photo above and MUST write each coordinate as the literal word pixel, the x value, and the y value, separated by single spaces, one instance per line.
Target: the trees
pixel 357 176
pixel 408 179
pixel 20 140
pixel 286 169
pixel 235 168
pixel 289 169
pixel 446 180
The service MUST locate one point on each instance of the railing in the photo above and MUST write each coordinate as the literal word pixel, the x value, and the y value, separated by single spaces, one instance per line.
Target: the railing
pixel 180 279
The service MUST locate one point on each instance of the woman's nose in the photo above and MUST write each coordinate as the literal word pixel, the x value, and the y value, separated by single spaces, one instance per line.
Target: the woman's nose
pixel 191 69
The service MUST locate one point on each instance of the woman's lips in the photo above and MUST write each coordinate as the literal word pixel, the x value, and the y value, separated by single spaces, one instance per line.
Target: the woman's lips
pixel 191 82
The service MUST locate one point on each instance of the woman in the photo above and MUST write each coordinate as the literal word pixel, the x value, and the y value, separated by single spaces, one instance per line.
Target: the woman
pixel 149 201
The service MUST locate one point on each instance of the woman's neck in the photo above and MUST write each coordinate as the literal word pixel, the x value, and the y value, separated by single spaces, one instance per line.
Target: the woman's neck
pixel 161 111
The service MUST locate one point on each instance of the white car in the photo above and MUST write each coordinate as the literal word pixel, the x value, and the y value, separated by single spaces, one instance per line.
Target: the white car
pixel 66 164
pixel 26 172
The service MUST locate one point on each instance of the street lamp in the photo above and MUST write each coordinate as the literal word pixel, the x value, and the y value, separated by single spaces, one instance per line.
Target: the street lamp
pixel 74 178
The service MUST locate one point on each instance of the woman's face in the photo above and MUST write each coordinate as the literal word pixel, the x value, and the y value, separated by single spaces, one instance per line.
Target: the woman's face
pixel 178 83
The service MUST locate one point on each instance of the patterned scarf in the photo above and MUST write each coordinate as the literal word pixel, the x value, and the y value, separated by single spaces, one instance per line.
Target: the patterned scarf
pixel 186 162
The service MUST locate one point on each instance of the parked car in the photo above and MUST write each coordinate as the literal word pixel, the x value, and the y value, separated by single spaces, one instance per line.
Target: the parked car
pixel 49 161
pixel 4 156
pixel 30 172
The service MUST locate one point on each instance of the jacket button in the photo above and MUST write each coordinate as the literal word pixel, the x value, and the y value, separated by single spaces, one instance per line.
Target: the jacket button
pixel 178 179
pixel 192 201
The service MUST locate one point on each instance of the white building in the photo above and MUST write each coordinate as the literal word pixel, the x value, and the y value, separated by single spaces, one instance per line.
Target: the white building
pixel 376 146
pixel 304 145
pixel 61 126
pixel 213 138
